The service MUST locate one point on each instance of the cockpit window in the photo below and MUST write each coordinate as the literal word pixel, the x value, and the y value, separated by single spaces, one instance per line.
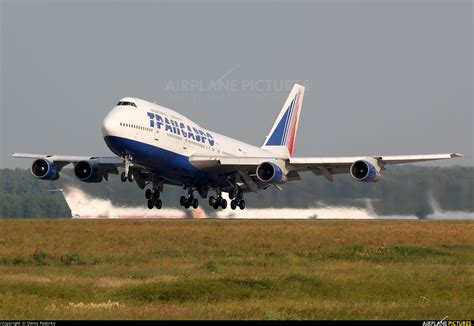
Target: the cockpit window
pixel 126 103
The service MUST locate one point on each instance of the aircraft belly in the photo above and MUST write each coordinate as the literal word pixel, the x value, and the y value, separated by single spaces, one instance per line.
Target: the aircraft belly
pixel 165 163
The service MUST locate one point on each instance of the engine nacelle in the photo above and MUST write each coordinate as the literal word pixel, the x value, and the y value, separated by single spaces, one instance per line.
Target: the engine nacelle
pixel 44 169
pixel 269 172
pixel 365 171
pixel 87 171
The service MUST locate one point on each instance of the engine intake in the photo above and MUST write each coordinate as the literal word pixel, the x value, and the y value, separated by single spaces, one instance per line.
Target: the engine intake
pixel 270 173
pixel 87 171
pixel 365 171
pixel 44 169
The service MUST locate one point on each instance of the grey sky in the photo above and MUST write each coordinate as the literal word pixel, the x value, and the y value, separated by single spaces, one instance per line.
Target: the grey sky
pixel 383 78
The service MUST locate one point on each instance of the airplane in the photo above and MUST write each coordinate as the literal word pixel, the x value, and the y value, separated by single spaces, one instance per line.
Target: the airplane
pixel 157 146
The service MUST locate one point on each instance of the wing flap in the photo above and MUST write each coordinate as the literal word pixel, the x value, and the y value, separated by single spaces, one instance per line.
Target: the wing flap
pixel 223 164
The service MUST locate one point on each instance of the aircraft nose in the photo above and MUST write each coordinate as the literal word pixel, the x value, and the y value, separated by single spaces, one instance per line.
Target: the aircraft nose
pixel 109 125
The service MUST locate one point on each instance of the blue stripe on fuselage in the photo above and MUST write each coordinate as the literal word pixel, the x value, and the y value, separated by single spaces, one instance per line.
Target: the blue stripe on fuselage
pixel 165 163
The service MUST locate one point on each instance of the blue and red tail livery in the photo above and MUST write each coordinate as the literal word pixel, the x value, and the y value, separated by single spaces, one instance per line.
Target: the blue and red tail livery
pixel 283 133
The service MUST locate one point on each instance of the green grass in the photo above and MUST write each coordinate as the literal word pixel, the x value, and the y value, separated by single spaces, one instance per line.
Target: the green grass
pixel 197 269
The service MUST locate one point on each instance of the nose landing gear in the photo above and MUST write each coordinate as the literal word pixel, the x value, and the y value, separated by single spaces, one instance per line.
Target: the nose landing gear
pixel 124 177
pixel 127 174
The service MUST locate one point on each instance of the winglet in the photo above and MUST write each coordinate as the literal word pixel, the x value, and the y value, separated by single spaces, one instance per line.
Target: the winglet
pixel 454 155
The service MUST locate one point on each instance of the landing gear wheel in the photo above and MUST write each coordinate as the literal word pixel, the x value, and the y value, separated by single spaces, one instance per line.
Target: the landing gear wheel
pixel 240 194
pixel 224 204
pixel 156 194
pixel 195 203
pixel 215 206
pixel 123 177
pixel 212 201
pixel 148 193
pixel 150 203
pixel 242 204
pixel 158 203
pixel 182 200
pixel 130 177
pixel 232 194
pixel 233 204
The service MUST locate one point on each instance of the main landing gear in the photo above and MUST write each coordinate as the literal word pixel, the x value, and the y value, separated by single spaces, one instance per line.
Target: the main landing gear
pixel 237 203
pixel 153 197
pixel 189 201
pixel 236 200
pixel 216 202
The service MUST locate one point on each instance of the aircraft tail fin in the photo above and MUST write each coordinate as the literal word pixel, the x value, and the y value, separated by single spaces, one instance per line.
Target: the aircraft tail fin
pixel 281 138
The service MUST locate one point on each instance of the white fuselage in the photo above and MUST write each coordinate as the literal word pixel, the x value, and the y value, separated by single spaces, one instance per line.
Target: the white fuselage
pixel 134 123
pixel 162 140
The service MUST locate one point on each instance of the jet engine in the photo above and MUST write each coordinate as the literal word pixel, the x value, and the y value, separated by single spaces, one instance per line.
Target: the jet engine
pixel 365 171
pixel 44 169
pixel 87 171
pixel 269 172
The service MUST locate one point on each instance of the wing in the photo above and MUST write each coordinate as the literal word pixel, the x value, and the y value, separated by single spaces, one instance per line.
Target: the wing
pixel 233 163
pixel 326 166
pixel 107 165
